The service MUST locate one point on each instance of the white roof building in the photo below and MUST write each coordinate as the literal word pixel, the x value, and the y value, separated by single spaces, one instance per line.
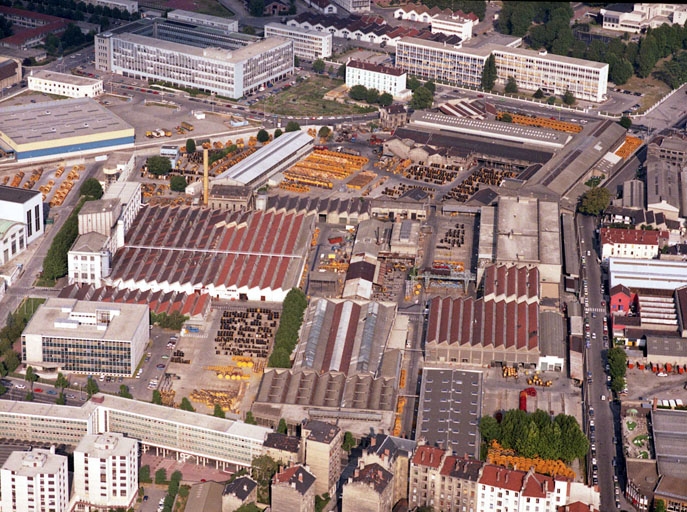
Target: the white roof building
pixel 63 84
pixel 647 274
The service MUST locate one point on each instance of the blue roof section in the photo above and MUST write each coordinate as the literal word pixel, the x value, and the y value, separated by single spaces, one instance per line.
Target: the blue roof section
pixel 75 148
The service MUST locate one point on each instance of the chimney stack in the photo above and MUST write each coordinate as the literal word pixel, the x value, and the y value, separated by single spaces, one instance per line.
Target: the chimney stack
pixel 300 477
pixel 206 185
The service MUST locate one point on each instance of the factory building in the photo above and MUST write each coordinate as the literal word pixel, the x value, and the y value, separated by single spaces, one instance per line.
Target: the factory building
pixel 307 44
pixel 231 73
pixel 57 129
pixel 63 84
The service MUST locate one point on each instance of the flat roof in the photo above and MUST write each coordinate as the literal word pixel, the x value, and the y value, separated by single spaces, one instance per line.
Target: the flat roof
pixel 65 78
pixel 35 462
pixel 106 445
pixel 670 441
pixel 55 120
pixel 533 54
pixel 570 248
pixel 16 195
pixel 647 274
pixel 204 17
pixel 299 30
pixel 122 327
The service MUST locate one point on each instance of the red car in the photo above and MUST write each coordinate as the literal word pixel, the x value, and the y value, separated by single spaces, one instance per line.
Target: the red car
pixel 37 390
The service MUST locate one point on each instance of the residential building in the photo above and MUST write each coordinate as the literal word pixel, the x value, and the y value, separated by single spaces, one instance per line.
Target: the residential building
pixel 631 243
pixel 88 261
pixel 241 491
pixel 622 300
pixel 293 490
pixel 370 489
pixel 460 65
pixel 37 26
pixel 307 44
pixel 635 18
pixel 321 445
pixel 224 25
pixel 508 489
pixel 354 5
pixel 323 6
pixel 375 76
pixel 86 337
pixel 284 449
pixel 10 72
pixel 23 206
pixel 452 25
pixel 392 117
pixel 228 73
pixel 394 454
pixel 424 468
pixel 63 84
pixel 105 472
pixel 34 481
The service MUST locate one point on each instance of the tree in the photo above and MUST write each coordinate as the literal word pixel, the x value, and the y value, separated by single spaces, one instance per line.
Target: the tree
pixel 30 376
pixel 349 441
pixel 647 57
pixel 218 412
pixel 318 66
pixel 430 86
pixel 421 99
pixel 277 133
pixel 489 429
pixel 124 391
pixel 91 387
pixel 185 405
pixel 280 358
pixel 625 122
pixel 29 396
pixel 60 400
pixel 91 188
pixel 551 100
pixel 161 476
pixel 372 95
pixel 159 165
pixel 324 132
pixel 263 468
pixel 506 117
pixel 157 397
pixel 292 126
pixel 296 61
pixel 190 146
pixel 61 381
pixel 594 201
pixel 385 99
pixel 489 74
pixel 250 507
pixel 256 8
pixel 568 98
pixel 659 505
pixel 358 93
pixel 341 72
pixel 282 428
pixel 620 71
pixel 247 29
pixel 250 419
pixel 321 501
pixel 538 94
pixel 263 136
pixel 511 85
pixel 177 184
pixel 144 475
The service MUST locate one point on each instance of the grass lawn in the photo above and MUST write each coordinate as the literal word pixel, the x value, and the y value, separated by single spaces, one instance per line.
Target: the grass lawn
pixel 652 88
pixel 631 425
pixel 305 99
pixel 30 305
pixel 213 8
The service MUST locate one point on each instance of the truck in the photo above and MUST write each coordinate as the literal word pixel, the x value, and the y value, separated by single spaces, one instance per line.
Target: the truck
pixel 187 126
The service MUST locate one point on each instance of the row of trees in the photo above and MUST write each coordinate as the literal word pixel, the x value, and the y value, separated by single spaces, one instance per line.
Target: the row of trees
pixel 78 11
pixel 537 435
pixel 617 362
pixel 594 201
pixel 423 94
pixel 5 27
pixel 477 7
pixel 286 337
pixel 362 93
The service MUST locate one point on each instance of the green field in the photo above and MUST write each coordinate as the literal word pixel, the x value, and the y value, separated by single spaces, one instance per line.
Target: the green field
pixel 306 99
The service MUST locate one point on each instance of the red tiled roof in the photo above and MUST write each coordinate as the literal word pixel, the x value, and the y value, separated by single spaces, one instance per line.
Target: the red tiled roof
pixel 428 456
pixel 536 485
pixel 632 236
pixel 503 478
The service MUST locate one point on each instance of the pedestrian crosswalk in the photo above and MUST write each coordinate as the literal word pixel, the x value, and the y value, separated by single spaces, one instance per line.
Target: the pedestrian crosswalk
pixel 596 310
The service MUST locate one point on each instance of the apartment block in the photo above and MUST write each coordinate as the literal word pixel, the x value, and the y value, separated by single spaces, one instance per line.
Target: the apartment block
pixel 293 490
pixel 106 471
pixel 370 489
pixel 34 481
pixel 452 25
pixel 321 445
pixel 392 453
pixel 385 79
pixel 631 243
pixel 231 73
pixel 307 44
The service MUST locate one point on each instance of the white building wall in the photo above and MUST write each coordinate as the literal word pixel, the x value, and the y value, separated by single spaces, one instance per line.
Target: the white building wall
pixel 460 27
pixel 354 5
pixel 34 491
pixel 226 25
pixel 61 88
pixel 130 6
pixel 29 213
pixel 12 243
pixel 642 251
pixel 85 267
pixel 307 44
pixel 383 82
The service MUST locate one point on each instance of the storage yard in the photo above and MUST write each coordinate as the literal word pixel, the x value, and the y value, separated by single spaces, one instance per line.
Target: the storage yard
pixel 52 182
pixel 323 168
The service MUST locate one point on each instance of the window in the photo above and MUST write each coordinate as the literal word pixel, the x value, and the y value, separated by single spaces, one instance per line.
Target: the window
pixel 29 223
pixel 38 217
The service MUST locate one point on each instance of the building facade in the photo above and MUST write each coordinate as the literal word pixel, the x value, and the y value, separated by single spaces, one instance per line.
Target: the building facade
pixel 452 25
pixel 370 489
pixel 631 243
pixel 130 6
pixel 12 240
pixel 72 86
pixel 635 18
pixel 354 5
pixel 374 76
pixel 293 490
pixel 225 25
pixel 10 72
pixel 106 471
pixel 307 44
pixel 228 73
pixel 86 337
pixel 34 481
pixel 26 207
pixel 321 445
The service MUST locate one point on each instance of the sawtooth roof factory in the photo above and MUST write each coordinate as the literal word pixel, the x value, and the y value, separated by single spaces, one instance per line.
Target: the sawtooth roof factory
pixel 57 129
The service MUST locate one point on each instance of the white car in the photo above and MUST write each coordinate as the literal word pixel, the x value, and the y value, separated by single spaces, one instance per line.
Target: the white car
pixel 662 374
pixel 603 397
pixel 21 386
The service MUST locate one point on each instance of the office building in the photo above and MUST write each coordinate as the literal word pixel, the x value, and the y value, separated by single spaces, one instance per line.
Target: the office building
pixel 25 207
pixel 86 337
pixel 231 73
pixel 225 25
pixel 63 84
pixel 375 76
pixel 105 472
pixel 452 25
pixel 635 18
pixel 34 481
pixel 307 44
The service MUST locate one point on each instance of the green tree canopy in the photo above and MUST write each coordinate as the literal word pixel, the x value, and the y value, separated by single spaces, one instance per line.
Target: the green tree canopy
pixel 30 376
pixel 159 165
pixel 161 476
pixel 144 475
pixel 61 381
pixel 263 468
pixel 324 132
pixel 358 93
pixel 256 8
pixel 422 99
pixel 625 122
pixel 282 428
pixel 185 405
pixel 506 117
pixel 349 441
pixel 218 412
pixel 292 126
pixel 157 397
pixel 250 419
pixel 568 98
pixel 372 96
pixel 430 86
pixel 490 429
pixel 385 99
pixel 594 201
pixel 91 387
pixel 489 74
pixel 263 136
pixel 177 183
pixel 511 85
pixel 277 133
pixel 538 94
pixel 91 188
pixel 318 66
pixel 190 146
pixel 413 83
pixel 341 72
pixel 124 391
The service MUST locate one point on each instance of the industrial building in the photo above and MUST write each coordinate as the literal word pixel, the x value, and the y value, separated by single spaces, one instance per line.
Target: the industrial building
pixel 106 471
pixel 58 129
pixel 86 337
pixel 63 84
pixel 666 177
pixel 449 410
pixel 307 44
pixel 231 73
pixel 224 25
pixel 256 255
pixel 228 443
pixel 258 168
pixel 35 480
pixel 638 274
pixel 459 64
pixel 384 79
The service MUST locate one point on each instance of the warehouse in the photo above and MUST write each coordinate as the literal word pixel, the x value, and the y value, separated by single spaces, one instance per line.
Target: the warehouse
pixel 57 129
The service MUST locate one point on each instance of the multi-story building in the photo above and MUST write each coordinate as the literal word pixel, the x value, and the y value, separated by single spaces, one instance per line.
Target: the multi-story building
pixel 293 490
pixel 86 337
pixel 631 243
pixel 105 472
pixel 241 491
pixel 452 26
pixel 39 25
pixel 228 73
pixel 321 445
pixel 72 86
pixel 635 18
pixel 424 467
pixel 370 489
pixel 225 25
pixel 284 449
pixel 392 453
pixel 307 44
pixel 34 481
pixel 375 76
pixel 25 207
pixel 502 489
pixel 354 5
pixel 130 6
pixel 392 117
pixel 459 65
pixel 10 72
